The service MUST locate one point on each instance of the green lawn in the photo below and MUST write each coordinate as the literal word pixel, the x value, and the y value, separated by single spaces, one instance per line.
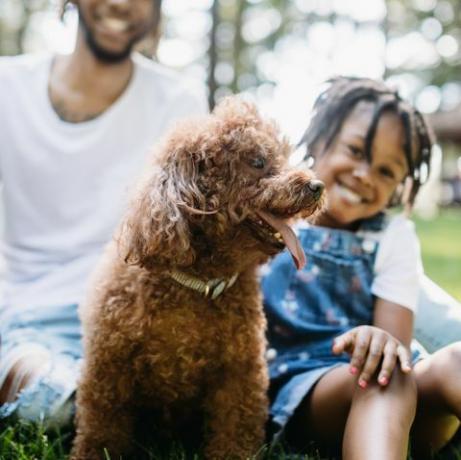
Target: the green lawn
pixel 30 442
pixel 441 248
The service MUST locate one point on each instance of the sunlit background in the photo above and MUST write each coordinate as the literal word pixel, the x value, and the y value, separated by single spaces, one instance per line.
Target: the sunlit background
pixel 278 52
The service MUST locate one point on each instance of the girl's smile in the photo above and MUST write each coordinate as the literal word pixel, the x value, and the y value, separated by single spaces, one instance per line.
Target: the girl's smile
pixel 347 194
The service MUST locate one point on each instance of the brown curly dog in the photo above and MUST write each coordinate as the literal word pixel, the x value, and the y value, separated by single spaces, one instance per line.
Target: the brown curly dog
pixel 174 321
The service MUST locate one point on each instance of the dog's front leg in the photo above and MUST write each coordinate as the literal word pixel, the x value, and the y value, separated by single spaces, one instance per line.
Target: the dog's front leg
pixel 237 412
pixel 105 420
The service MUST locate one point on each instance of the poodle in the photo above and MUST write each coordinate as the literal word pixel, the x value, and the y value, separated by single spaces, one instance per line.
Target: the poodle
pixel 173 323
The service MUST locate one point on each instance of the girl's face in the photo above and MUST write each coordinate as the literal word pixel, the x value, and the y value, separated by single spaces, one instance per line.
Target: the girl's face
pixel 357 189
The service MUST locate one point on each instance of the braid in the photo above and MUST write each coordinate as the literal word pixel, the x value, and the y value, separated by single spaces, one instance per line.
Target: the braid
pixel 425 139
pixel 338 100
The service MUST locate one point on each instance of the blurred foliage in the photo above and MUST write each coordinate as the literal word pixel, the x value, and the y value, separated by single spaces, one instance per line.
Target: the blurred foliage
pixel 237 48
pixel 249 32
pixel 15 21
pixel 438 25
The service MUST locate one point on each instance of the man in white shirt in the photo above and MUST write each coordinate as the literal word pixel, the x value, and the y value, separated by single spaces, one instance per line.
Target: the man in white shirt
pixel 75 131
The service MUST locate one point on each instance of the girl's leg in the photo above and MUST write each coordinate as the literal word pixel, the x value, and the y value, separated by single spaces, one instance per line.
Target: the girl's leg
pixel 372 422
pixel 439 400
pixel 380 418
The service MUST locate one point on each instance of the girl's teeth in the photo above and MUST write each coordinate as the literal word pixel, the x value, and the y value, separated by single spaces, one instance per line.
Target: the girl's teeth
pixel 349 195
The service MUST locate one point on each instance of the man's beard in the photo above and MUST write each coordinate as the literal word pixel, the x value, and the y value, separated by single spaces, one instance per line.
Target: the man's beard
pixel 102 54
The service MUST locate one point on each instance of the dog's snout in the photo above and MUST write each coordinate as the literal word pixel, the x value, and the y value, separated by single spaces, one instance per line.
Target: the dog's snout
pixel 316 187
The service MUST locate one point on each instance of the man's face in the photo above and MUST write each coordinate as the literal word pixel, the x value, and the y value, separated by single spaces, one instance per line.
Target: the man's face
pixel 112 27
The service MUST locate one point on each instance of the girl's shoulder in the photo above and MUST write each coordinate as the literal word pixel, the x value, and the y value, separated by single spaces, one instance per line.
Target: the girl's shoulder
pixel 398 264
pixel 389 227
pixel 401 228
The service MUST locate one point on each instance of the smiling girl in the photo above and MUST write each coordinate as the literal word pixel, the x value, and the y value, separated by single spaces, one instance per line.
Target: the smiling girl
pixel 358 293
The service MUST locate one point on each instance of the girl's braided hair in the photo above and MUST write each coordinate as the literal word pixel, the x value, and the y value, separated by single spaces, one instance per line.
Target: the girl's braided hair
pixel 343 93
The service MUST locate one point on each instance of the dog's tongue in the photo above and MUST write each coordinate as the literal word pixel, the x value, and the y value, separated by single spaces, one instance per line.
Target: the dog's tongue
pixel 289 237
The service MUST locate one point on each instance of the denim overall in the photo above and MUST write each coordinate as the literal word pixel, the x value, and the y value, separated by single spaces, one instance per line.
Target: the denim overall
pixel 306 309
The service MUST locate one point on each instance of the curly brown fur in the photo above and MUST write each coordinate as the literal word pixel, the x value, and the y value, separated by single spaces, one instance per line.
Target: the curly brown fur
pixel 151 343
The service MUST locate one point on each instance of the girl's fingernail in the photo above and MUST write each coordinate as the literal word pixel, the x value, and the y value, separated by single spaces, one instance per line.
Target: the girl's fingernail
pixel 363 384
pixel 353 370
pixel 383 380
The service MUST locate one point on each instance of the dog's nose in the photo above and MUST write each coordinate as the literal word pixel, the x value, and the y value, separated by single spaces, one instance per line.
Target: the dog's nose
pixel 316 187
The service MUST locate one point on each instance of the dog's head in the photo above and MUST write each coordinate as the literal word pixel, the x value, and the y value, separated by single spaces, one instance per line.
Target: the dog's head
pixel 220 189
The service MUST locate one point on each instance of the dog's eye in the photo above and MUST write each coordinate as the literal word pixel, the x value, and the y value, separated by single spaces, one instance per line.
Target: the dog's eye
pixel 258 162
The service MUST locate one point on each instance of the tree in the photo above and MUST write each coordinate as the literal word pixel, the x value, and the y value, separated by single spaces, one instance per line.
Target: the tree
pixel 15 21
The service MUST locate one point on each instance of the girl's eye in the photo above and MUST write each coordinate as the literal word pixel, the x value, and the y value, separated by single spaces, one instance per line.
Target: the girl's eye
pixel 387 172
pixel 258 162
pixel 355 151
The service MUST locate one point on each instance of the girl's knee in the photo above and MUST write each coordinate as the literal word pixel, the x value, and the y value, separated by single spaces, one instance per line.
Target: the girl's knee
pixel 401 391
pixel 444 362
pixel 453 353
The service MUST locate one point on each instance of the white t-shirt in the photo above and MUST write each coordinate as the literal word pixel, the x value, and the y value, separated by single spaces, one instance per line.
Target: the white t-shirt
pixel 65 185
pixel 398 266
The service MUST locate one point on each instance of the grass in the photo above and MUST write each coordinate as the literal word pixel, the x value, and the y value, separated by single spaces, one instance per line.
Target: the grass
pixel 441 250
pixel 23 441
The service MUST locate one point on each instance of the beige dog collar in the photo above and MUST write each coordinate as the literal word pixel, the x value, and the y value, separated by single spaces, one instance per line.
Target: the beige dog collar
pixel 210 289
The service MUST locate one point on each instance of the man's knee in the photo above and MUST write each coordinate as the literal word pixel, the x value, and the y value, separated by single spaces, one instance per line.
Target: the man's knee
pixel 22 373
pixel 28 393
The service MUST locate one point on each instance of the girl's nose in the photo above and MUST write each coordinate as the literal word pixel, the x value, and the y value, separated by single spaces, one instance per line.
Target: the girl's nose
pixel 363 173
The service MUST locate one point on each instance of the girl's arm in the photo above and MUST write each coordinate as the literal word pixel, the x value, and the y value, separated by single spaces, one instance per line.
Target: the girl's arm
pixel 395 319
pixel 376 350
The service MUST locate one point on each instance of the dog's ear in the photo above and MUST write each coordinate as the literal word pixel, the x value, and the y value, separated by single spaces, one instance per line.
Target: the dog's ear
pixel 157 227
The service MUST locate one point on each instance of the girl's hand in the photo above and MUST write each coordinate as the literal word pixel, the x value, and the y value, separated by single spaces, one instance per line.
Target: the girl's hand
pixel 369 346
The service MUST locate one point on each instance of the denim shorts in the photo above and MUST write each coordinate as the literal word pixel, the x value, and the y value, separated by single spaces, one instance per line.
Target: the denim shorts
pixel 54 335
